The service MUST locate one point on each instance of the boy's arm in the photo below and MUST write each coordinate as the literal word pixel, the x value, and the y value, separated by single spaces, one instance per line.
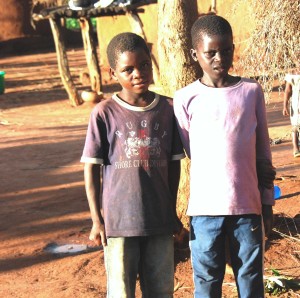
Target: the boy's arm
pixel 174 177
pixel 267 214
pixel 287 95
pixel 264 165
pixel 266 173
pixel 92 175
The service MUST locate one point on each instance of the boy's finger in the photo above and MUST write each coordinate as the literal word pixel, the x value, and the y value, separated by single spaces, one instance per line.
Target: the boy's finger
pixel 97 241
pixel 103 238
pixel 95 238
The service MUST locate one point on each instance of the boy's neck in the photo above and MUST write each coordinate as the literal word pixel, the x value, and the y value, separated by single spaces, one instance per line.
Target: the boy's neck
pixel 138 100
pixel 226 81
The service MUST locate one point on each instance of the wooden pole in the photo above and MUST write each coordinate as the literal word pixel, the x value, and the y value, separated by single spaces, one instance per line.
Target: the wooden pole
pixel 63 64
pixel 91 54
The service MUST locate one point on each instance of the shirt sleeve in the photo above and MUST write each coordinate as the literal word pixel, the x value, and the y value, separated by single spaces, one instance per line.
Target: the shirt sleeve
pixel 177 147
pixel 93 151
pixel 288 78
pixel 182 120
pixel 263 149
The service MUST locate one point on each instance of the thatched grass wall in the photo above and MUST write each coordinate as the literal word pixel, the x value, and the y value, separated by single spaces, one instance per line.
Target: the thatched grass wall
pixel 273 46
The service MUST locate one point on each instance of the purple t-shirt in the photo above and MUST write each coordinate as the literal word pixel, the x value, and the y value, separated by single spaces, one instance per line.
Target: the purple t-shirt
pixel 224 132
pixel 135 146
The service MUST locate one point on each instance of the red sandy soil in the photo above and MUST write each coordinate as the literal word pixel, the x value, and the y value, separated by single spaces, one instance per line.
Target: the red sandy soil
pixel 42 198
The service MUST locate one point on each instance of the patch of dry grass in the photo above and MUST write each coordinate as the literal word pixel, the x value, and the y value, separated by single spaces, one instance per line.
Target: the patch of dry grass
pixel 273 47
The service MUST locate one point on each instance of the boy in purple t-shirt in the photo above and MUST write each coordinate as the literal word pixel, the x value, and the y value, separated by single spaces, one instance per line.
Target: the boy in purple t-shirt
pixel 132 166
pixel 222 123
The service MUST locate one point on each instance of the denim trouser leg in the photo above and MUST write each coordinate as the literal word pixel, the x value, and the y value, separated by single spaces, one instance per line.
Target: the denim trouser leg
pixel 207 243
pixel 151 257
pixel 246 242
pixel 208 234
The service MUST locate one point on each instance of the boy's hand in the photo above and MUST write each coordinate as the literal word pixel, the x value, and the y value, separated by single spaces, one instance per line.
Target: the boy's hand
pixel 180 225
pixel 267 214
pixel 97 234
pixel 181 239
pixel 285 112
pixel 265 173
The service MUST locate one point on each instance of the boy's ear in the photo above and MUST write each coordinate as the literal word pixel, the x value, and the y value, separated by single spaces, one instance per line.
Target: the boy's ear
pixel 194 55
pixel 112 74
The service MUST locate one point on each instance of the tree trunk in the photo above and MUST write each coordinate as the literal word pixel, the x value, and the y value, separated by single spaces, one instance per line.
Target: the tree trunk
pixel 177 69
pixel 175 19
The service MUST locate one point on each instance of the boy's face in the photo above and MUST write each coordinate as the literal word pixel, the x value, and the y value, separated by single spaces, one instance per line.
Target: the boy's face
pixel 133 71
pixel 215 55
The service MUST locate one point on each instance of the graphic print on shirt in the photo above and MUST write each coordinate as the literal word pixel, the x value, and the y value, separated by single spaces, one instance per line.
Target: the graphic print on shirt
pixel 140 149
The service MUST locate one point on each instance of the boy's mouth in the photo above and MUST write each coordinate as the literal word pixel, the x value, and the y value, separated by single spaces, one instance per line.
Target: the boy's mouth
pixel 141 84
pixel 219 67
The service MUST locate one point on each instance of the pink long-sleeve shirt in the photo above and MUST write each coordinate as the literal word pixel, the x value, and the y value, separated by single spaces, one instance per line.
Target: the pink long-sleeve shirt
pixel 224 132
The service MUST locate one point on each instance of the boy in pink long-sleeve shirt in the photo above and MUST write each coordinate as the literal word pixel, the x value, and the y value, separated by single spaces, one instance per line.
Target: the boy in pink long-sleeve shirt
pixel 222 123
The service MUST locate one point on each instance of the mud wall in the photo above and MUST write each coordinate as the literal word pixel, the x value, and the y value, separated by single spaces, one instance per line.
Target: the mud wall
pixel 15 19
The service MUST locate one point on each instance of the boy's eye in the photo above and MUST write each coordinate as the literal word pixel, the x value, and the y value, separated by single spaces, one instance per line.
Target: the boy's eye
pixel 146 65
pixel 227 52
pixel 211 54
pixel 128 70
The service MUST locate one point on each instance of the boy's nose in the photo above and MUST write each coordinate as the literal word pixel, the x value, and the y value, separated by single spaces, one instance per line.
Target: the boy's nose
pixel 218 56
pixel 137 73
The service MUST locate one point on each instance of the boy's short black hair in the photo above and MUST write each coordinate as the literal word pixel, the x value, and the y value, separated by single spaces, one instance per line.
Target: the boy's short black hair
pixel 210 25
pixel 124 42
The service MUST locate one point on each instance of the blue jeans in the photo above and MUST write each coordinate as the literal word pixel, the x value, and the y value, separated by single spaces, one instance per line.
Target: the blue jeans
pixel 246 245
pixel 151 257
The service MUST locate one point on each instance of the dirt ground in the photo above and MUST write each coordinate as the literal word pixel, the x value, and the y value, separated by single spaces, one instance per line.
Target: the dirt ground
pixel 42 197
